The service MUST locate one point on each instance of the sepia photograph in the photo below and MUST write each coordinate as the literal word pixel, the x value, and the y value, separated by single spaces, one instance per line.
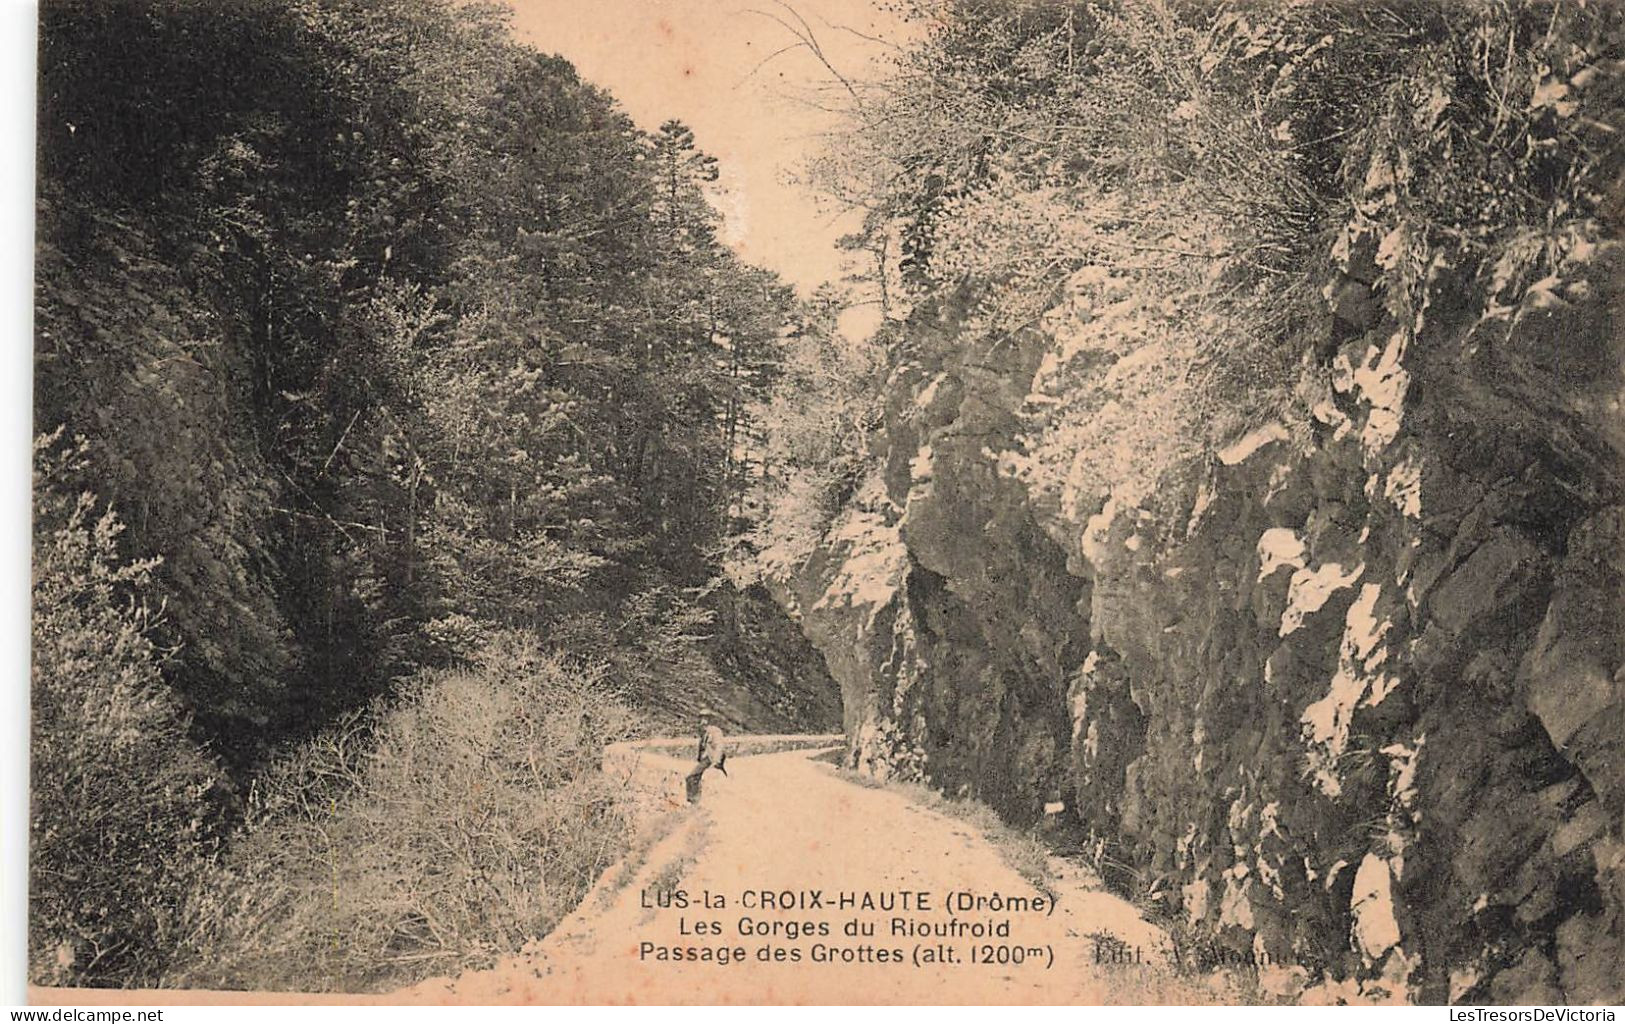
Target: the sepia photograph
pixel 827 502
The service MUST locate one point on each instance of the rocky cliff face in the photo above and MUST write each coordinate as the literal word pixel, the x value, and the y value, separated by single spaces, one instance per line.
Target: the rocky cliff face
pixel 1347 695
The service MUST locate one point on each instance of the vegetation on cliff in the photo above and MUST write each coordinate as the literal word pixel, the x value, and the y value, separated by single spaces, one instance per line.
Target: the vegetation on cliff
pixel 1164 183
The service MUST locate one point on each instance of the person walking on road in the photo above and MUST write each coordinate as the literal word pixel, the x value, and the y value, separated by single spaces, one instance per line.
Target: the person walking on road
pixel 713 753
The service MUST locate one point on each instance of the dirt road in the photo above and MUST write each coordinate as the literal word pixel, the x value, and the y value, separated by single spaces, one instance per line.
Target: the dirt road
pixel 790 823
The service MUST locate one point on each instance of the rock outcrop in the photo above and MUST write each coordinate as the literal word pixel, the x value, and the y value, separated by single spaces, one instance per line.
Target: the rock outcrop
pixel 1346 695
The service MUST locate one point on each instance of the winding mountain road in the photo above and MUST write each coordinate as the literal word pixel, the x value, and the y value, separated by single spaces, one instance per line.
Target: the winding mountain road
pixel 788 821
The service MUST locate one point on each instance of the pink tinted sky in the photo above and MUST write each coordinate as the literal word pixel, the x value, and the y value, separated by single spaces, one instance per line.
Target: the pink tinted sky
pixel 701 61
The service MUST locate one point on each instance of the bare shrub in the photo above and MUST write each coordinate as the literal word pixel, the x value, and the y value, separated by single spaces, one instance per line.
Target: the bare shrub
pixel 119 818
pixel 471 818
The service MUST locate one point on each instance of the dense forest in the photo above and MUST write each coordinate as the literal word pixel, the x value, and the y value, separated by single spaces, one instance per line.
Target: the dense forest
pixel 393 404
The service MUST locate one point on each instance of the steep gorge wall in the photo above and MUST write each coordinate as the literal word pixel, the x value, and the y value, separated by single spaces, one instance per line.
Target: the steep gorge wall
pixel 1348 696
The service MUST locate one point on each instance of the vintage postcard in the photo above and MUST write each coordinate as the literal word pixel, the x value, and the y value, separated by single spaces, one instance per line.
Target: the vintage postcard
pixel 829 502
